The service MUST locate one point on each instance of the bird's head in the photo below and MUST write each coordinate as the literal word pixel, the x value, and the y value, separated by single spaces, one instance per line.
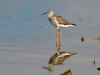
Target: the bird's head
pixel 50 68
pixel 49 12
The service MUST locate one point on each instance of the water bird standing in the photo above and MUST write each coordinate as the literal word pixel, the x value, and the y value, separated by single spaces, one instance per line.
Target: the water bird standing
pixel 57 21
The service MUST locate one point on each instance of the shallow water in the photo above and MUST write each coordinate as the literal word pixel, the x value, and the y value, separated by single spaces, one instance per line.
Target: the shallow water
pixel 27 39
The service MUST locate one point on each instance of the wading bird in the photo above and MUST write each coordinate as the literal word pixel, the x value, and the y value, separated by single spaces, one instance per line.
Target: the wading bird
pixel 58 22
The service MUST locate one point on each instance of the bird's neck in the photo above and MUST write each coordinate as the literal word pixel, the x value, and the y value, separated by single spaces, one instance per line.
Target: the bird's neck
pixel 50 15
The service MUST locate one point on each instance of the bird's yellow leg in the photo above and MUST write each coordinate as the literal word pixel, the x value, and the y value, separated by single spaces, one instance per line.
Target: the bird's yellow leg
pixel 60 39
pixel 57 40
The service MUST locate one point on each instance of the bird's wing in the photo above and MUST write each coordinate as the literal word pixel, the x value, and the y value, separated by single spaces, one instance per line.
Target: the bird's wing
pixel 61 20
pixel 62 59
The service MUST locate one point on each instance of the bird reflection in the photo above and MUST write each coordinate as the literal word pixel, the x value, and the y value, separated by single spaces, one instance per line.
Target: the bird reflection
pixel 57 59
pixel 94 62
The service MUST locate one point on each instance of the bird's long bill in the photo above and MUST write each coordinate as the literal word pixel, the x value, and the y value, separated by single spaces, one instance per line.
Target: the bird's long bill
pixel 44 13
pixel 45 67
pixel 48 68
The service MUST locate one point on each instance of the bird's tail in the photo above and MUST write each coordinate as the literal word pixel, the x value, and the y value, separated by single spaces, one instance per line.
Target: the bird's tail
pixel 74 24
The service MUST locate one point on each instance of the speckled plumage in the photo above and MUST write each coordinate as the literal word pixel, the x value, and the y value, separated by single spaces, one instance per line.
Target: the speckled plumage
pixel 58 21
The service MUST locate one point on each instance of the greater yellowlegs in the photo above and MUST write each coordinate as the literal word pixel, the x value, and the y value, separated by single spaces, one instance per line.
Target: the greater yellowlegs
pixel 58 21
pixel 58 59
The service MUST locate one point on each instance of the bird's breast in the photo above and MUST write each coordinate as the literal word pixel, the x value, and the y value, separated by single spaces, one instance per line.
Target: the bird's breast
pixel 52 21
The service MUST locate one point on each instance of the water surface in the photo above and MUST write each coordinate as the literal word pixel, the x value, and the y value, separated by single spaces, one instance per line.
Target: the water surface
pixel 27 39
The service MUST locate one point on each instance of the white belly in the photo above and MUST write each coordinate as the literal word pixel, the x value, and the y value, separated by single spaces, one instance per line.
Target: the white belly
pixel 54 23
